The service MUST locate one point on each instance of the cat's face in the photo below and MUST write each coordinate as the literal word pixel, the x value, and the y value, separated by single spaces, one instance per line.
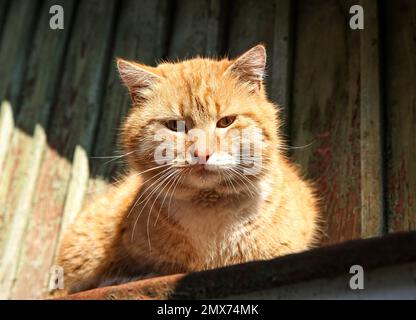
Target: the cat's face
pixel 200 122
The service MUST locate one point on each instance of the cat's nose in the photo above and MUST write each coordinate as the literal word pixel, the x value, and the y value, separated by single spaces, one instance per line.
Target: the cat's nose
pixel 203 155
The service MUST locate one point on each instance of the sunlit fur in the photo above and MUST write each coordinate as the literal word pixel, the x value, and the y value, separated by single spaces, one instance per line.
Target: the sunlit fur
pixel 179 217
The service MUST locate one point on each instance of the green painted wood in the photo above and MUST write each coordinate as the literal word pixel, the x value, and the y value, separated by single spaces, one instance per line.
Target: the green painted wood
pixel 14 46
pixel 72 127
pixel 252 23
pixel 372 207
pixel 28 140
pixel 326 112
pixel 141 35
pixel 282 52
pixel 3 12
pixel 197 29
pixel 400 80
pixel 145 42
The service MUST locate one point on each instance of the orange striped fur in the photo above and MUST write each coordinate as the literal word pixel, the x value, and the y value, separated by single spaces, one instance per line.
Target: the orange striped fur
pixel 200 220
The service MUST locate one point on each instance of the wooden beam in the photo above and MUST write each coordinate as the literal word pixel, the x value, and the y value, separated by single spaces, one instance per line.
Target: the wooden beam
pixel 251 23
pixel 372 208
pixel 141 35
pixel 14 45
pixel 282 52
pixel 4 4
pixel 326 112
pixel 197 29
pixel 400 80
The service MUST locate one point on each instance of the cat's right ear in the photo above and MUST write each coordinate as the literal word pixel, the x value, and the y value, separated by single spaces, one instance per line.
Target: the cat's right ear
pixel 250 67
pixel 138 78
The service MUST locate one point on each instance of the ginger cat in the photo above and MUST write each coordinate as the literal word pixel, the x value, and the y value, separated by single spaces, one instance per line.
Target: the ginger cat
pixel 184 215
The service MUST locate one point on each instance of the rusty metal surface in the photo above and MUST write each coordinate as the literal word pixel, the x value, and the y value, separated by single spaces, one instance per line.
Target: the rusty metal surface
pixel 326 262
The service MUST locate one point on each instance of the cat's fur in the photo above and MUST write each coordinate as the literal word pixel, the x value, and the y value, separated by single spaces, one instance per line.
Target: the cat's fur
pixel 205 222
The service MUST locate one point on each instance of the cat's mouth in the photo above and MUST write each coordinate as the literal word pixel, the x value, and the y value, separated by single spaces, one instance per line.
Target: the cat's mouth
pixel 203 170
pixel 201 176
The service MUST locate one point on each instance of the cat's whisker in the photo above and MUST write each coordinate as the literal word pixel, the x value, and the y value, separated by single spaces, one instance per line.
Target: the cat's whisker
pixel 164 183
pixel 177 176
pixel 227 177
pixel 183 177
pixel 289 147
pixel 144 191
pixel 159 182
pixel 113 158
pixel 241 177
pixel 151 169
pixel 155 182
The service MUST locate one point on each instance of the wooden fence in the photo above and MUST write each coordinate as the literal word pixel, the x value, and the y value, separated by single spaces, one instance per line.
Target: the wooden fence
pixel 349 99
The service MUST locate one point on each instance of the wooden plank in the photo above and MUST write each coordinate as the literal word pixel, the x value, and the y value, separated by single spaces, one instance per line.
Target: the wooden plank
pixel 197 29
pixel 28 140
pixel 146 43
pixel 326 112
pixel 73 123
pixel 282 52
pixel 252 22
pixel 400 79
pixel 141 35
pixel 6 130
pixel 4 4
pixel 372 208
pixel 18 30
pixel 14 45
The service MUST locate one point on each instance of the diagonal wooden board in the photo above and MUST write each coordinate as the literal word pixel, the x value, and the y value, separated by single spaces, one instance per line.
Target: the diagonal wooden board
pixel 73 122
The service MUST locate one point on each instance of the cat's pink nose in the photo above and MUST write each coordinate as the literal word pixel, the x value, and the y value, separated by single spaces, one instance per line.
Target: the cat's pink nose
pixel 203 155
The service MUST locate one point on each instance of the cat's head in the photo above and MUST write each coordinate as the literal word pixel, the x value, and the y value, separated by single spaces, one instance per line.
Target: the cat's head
pixel 202 122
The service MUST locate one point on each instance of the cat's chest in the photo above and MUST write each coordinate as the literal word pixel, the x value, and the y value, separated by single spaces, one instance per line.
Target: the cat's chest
pixel 215 232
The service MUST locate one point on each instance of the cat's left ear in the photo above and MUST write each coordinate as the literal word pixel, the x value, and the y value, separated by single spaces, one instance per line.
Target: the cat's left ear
pixel 138 78
pixel 250 67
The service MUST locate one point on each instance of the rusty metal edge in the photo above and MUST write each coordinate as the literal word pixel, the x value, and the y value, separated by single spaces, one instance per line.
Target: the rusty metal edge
pixel 327 262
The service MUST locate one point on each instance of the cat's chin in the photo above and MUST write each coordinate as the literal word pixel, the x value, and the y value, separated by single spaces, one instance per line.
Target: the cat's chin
pixel 203 179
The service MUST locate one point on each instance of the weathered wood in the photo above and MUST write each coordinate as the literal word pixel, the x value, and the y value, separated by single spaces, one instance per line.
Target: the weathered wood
pixel 4 5
pixel 17 32
pixel 251 24
pixel 197 29
pixel 400 84
pixel 141 35
pixel 28 140
pixel 6 130
pixel 372 209
pixel 14 45
pixel 282 52
pixel 40 84
pixel 326 112
pixel 72 126
pixel 13 58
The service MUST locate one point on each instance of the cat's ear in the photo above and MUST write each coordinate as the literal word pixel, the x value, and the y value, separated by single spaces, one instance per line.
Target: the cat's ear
pixel 138 78
pixel 250 67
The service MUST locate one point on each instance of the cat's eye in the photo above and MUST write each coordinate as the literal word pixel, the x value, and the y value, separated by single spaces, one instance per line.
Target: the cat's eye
pixel 176 125
pixel 172 125
pixel 226 121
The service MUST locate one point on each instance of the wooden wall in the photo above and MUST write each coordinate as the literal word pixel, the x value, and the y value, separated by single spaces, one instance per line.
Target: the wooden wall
pixel 348 98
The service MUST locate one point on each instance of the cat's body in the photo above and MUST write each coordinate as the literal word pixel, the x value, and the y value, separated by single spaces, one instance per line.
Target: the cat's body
pixel 192 217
